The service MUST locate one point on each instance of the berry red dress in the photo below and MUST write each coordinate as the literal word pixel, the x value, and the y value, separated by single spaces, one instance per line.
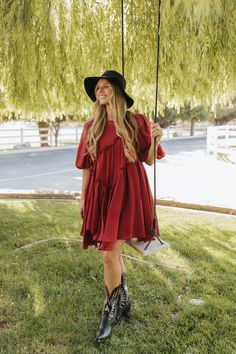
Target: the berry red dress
pixel 118 202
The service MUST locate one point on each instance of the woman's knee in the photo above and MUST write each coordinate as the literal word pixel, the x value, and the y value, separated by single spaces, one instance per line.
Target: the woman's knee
pixel 113 257
pixel 110 258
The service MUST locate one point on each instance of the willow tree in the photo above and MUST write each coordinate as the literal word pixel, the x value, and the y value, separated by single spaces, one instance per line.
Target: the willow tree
pixel 197 50
pixel 48 47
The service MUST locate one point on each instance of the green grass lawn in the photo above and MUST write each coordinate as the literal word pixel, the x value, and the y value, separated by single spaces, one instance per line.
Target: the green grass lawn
pixel 51 295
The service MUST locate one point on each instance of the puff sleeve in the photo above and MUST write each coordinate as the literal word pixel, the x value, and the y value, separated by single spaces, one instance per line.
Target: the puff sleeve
pixel 144 139
pixel 83 159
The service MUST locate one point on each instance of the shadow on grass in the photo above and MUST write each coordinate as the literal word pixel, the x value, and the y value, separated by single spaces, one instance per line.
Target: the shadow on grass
pixel 24 222
pixel 52 294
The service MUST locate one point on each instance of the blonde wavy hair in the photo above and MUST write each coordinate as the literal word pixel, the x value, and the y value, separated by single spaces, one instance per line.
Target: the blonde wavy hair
pixel 126 126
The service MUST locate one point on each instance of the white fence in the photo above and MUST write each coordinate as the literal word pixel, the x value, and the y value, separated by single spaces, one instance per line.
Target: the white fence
pixel 25 137
pixel 221 139
pixel 178 132
pixel 33 137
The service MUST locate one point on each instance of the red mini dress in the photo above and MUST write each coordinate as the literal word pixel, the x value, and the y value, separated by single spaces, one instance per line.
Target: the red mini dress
pixel 118 202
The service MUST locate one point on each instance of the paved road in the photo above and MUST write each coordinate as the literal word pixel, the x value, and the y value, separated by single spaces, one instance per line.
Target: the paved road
pixel 53 169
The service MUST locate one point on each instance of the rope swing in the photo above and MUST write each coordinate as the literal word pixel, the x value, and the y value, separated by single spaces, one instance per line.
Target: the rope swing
pixel 155 244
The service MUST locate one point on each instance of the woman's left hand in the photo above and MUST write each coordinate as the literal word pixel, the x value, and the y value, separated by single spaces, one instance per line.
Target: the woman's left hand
pixel 156 132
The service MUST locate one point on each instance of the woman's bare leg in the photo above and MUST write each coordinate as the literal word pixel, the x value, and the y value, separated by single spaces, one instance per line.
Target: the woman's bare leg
pixel 113 266
pixel 123 269
pixel 115 303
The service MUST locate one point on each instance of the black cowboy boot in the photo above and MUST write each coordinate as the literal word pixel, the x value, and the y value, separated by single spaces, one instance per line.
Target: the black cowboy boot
pixel 109 314
pixel 124 300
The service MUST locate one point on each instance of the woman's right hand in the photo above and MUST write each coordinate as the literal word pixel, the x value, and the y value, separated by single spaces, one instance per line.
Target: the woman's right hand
pixel 81 208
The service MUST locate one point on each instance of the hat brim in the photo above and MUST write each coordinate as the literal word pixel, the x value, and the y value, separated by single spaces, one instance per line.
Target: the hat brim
pixel 91 82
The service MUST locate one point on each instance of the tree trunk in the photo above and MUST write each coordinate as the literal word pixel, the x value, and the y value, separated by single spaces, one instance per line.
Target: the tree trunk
pixel 55 129
pixel 43 133
pixel 192 126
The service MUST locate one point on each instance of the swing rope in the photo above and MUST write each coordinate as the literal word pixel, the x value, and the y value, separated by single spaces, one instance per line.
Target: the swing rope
pixel 122 38
pixel 154 226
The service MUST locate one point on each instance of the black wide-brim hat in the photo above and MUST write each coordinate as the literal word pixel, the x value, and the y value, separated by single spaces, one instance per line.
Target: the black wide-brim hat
pixel 111 76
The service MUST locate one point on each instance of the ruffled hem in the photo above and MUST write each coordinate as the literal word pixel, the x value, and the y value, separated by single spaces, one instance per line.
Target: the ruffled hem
pixel 89 241
pixel 121 211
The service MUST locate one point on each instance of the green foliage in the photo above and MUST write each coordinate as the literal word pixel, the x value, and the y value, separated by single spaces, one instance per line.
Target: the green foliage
pixel 224 114
pixel 2 101
pixel 198 113
pixel 47 48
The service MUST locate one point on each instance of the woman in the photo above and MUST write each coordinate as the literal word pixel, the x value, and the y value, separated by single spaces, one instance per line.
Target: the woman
pixel 116 201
